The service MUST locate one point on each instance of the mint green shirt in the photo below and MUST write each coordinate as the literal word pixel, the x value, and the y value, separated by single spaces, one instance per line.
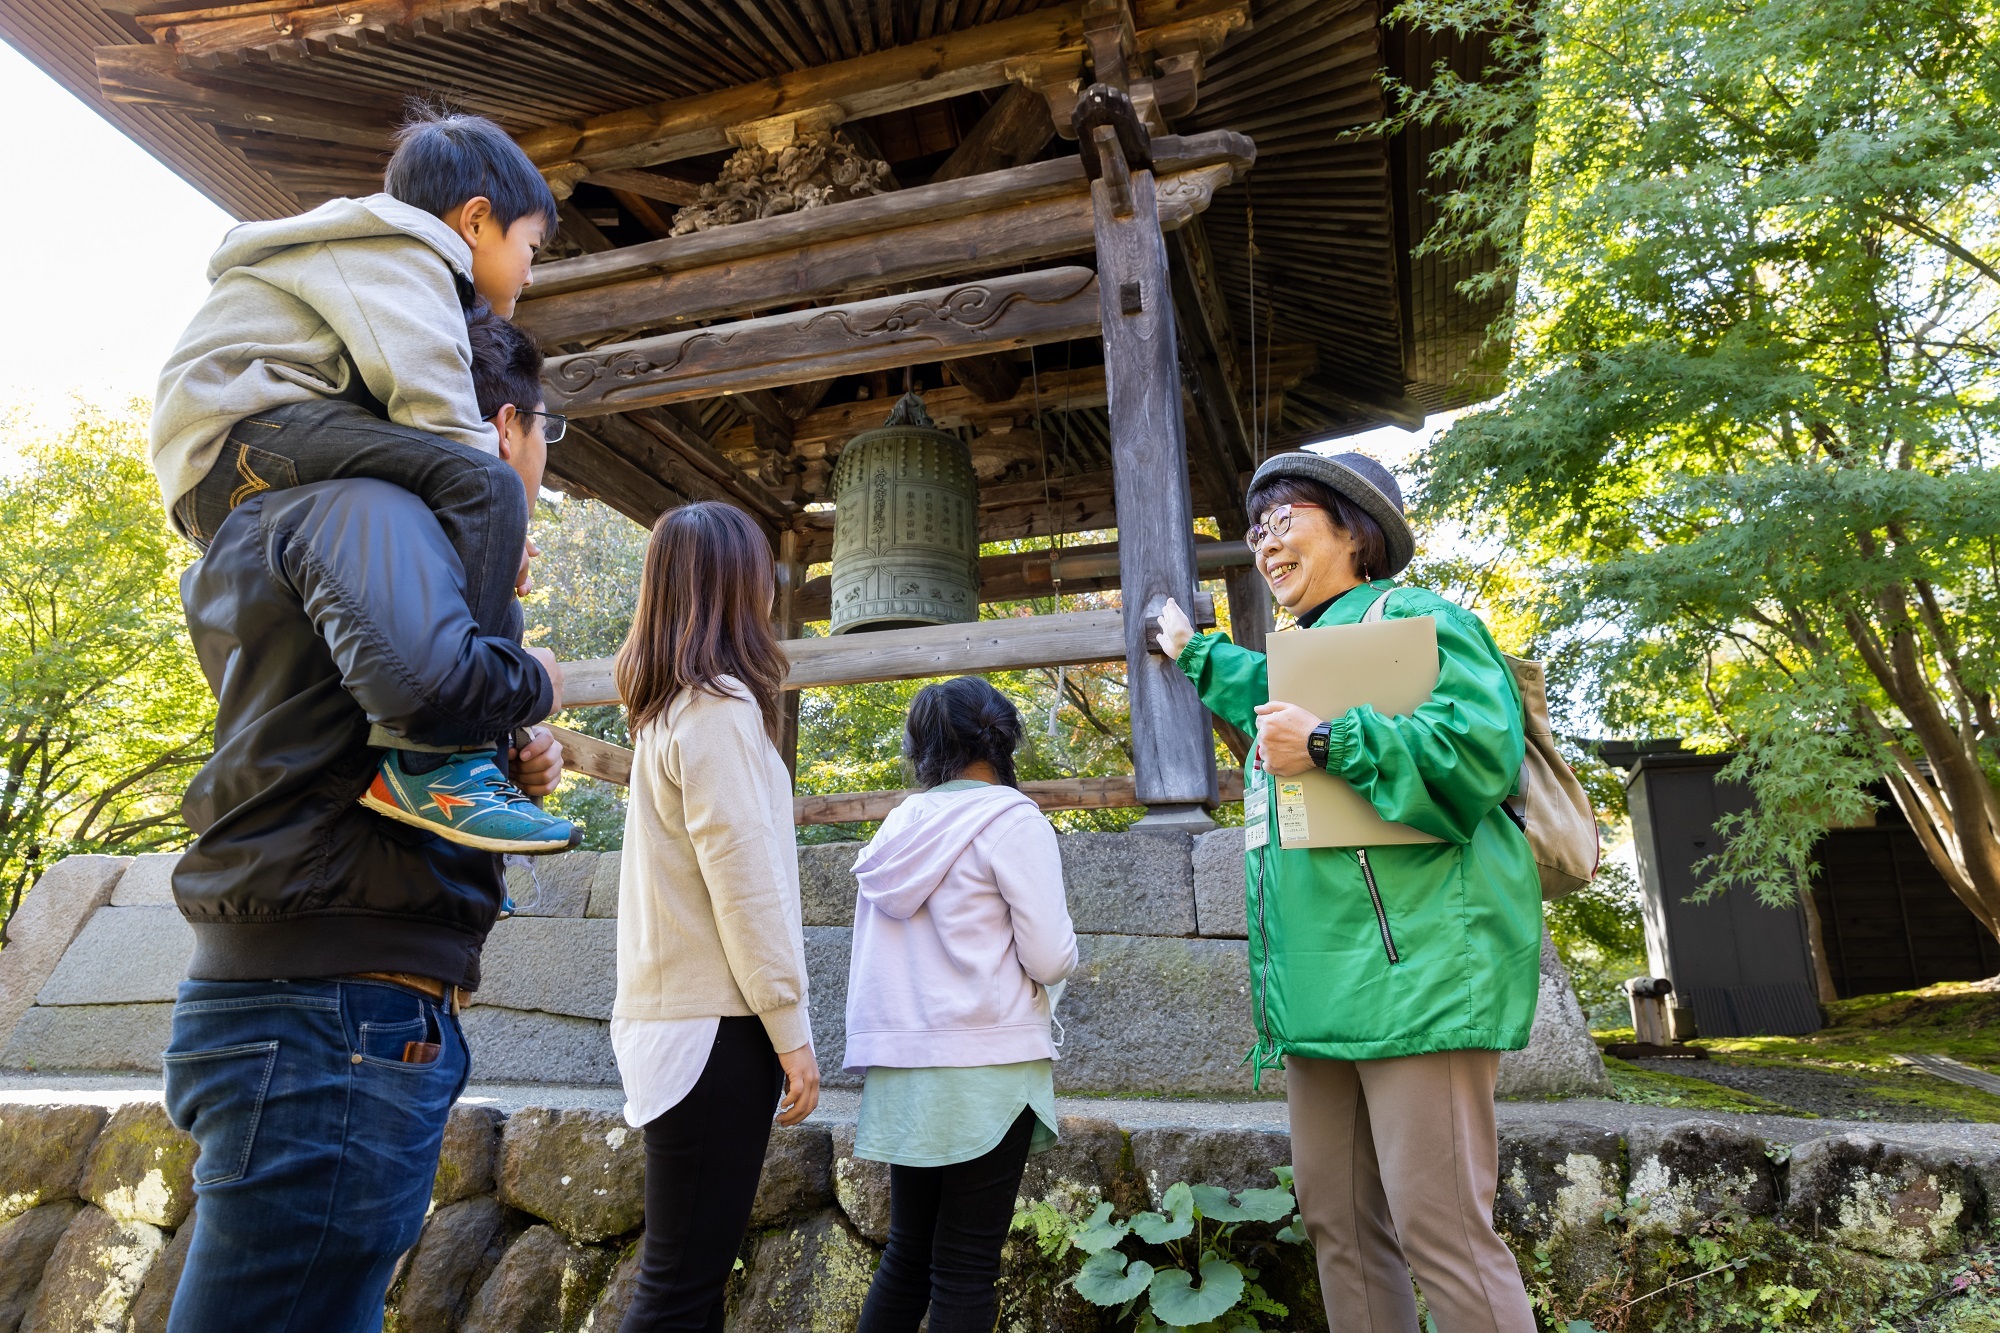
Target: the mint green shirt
pixel 941 1116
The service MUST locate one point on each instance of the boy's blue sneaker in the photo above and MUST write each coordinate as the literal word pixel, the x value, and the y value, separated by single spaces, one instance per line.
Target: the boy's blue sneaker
pixel 470 802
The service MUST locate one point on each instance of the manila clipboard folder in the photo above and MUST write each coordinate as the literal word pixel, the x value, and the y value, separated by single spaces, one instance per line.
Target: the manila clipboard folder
pixel 1389 664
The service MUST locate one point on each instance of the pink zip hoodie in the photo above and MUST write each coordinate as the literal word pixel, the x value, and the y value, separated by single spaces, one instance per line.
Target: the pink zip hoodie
pixel 960 927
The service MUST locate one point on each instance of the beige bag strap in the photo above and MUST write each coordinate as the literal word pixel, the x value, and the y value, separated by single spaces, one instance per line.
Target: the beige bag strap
pixel 1553 808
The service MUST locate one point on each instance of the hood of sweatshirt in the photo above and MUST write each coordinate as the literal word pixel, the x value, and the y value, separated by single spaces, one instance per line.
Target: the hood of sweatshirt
pixel 341 220
pixel 920 840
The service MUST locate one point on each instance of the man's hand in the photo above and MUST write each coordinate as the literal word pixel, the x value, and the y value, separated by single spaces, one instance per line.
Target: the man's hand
pixel 554 668
pixel 524 582
pixel 1282 730
pixel 1176 630
pixel 538 769
pixel 801 1085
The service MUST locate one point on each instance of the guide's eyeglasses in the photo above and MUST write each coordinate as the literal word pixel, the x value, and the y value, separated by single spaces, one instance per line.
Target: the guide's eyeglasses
pixel 1276 524
pixel 554 424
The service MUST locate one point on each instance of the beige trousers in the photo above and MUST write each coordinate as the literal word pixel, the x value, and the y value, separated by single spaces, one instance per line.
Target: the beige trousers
pixel 1396 1162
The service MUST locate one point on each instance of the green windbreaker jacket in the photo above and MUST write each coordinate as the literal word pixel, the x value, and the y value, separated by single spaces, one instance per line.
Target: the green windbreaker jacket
pixel 1451 958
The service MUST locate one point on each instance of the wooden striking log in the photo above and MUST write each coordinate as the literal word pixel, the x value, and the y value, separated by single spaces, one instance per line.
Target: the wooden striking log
pixel 1073 638
pixel 1173 758
pixel 1111 793
pixel 1020 311
pixel 982 223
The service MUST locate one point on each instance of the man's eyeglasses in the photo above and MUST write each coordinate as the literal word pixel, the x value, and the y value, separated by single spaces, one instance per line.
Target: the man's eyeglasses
pixel 554 424
pixel 1276 524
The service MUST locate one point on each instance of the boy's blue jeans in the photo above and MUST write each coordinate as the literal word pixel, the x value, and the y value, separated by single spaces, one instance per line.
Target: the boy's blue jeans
pixel 478 499
pixel 317 1147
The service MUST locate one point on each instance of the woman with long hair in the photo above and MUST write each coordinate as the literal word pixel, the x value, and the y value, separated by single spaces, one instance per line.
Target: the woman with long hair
pixel 710 1025
pixel 960 931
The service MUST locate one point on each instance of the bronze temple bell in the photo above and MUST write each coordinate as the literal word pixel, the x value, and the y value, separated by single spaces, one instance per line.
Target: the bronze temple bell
pixel 905 526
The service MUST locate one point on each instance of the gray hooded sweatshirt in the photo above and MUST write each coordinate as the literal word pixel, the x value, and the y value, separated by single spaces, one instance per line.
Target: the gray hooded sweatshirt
pixel 360 290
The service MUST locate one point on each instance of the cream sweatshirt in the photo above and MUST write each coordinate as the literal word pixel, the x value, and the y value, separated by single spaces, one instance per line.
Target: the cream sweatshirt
pixel 301 308
pixel 708 894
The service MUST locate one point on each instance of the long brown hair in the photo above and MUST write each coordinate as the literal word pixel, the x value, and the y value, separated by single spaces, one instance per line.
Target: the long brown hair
pixel 704 613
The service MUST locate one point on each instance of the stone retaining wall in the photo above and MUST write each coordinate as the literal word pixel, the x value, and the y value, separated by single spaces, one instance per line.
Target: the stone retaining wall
pixel 535 1216
pixel 1160 1002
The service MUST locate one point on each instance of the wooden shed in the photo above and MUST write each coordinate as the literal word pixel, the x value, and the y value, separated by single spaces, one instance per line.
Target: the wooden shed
pixel 778 213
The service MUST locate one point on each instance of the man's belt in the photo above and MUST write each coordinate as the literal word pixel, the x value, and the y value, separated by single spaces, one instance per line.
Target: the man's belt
pixel 453 998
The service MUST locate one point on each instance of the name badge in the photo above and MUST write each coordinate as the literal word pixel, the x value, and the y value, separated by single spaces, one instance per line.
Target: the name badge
pixel 1256 809
pixel 1292 813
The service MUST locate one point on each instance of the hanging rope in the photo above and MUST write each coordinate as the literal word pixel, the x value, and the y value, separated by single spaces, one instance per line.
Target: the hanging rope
pixel 1049 520
pixel 1250 259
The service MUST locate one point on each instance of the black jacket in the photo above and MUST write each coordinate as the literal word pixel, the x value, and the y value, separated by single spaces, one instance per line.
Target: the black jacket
pixel 316 611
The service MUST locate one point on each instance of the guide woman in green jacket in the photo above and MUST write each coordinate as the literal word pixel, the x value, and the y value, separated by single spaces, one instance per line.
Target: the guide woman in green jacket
pixel 1387 979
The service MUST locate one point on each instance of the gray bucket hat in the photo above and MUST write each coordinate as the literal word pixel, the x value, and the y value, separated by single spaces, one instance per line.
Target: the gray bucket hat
pixel 1358 478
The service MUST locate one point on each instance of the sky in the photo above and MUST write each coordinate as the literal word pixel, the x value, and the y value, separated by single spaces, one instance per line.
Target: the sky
pixel 100 275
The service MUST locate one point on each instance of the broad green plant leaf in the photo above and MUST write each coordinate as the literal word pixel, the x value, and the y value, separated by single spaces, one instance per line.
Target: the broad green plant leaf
pixel 1213 1201
pixel 1284 1175
pixel 1106 1279
pixel 1099 1232
pixel 1265 1205
pixel 1294 1231
pixel 1157 1230
pixel 1176 1299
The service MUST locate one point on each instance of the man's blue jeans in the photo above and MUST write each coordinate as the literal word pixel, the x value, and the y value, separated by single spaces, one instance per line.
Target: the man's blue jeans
pixel 317 1147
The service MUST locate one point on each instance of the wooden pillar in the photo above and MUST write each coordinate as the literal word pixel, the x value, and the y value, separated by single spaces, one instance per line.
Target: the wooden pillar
pixel 1250 618
pixel 1172 756
pixel 786 624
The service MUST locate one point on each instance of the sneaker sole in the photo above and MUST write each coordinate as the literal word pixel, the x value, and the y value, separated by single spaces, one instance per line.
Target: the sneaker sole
pixel 518 847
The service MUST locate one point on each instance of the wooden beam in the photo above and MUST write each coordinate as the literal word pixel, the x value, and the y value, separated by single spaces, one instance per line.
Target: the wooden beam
pixel 154 76
pixel 645 441
pixel 1014 130
pixel 594 758
pixel 584 464
pixel 1108 793
pixel 647 185
pixel 964 61
pixel 998 220
pixel 1015 643
pixel 1051 305
pixel 823 433
pixel 994 378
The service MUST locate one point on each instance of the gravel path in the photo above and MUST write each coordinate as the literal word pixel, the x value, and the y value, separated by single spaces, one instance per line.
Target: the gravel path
pixel 839 1105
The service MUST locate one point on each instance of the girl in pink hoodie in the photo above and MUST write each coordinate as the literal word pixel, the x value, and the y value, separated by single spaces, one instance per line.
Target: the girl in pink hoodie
pixel 960 932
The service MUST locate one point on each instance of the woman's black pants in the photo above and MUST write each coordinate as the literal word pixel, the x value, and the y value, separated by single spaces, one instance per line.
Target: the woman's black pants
pixel 703 1160
pixel 946 1227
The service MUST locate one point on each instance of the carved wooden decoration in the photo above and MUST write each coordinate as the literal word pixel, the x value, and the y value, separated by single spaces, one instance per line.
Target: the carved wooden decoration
pixel 818 167
pixel 996 315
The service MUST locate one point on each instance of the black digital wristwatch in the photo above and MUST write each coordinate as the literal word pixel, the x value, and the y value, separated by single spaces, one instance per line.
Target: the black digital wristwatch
pixel 1317 743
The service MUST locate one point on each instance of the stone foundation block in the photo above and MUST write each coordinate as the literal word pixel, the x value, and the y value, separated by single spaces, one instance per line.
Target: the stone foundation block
pixel 90 1036
pixel 1149 1014
pixel 1234 1159
pixel 48 918
pixel 798 1175
pixel 156 1295
pixel 42 1149
pixel 862 1187
pixel 551 965
pixel 141 1168
pixel 523 1046
pixel 25 1246
pixel 1560 1059
pixel 1682 1174
pixel 1557 1182
pixel 826 882
pixel 471 1151
pixel 148 881
pixel 812 1275
pixel 553 886
pixel 1089 1163
pixel 1220 908
pixel 616 1299
pixel 827 951
pixel 124 955
pixel 1901 1203
pixel 94 1274
pixel 1129 883
pixel 461 1244
pixel 604 887
pixel 542 1282
pixel 584 1171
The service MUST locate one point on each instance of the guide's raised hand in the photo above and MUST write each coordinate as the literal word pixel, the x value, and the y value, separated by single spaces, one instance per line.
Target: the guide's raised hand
pixel 1175 628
